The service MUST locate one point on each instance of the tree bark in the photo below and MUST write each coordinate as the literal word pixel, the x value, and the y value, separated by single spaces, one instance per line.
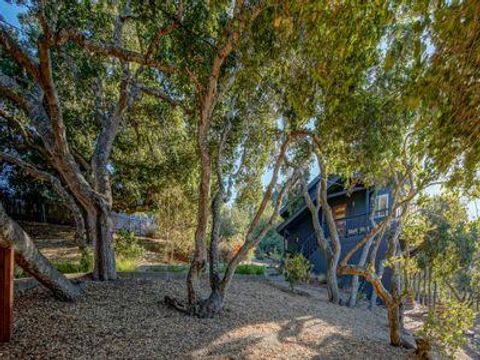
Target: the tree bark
pixel 394 323
pixel 332 282
pixel 364 255
pixel 331 249
pixel 33 262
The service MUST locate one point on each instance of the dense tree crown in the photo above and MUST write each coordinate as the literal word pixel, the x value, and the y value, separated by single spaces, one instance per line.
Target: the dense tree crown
pixel 211 115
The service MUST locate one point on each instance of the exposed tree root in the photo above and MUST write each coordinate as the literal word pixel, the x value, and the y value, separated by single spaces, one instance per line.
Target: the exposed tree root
pixel 204 309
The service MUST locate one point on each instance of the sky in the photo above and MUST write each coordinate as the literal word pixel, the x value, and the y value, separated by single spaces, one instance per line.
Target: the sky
pixel 9 12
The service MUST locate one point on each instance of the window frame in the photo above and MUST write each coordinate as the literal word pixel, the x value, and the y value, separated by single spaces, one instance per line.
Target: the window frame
pixel 379 213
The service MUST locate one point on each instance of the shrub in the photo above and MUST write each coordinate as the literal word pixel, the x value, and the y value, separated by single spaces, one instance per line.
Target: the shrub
pixel 86 260
pixel 296 269
pixel 66 267
pixel 250 269
pixel 446 329
pixel 18 272
pixel 127 246
pixel 230 247
pixel 271 246
pixel 125 264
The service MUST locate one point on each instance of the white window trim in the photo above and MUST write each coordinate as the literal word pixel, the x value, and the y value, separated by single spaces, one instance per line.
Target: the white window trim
pixel 377 201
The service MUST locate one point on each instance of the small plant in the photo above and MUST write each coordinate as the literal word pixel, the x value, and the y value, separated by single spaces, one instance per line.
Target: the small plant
pixel 446 329
pixel 66 267
pixel 126 265
pixel 19 273
pixel 250 269
pixel 296 269
pixel 127 246
pixel 128 251
pixel 86 260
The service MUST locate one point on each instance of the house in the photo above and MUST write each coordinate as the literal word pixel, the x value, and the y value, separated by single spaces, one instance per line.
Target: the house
pixel 351 210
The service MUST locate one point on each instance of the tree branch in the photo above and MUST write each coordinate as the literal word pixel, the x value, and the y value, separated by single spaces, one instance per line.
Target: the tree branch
pixel 109 50
pixel 18 54
pixel 57 187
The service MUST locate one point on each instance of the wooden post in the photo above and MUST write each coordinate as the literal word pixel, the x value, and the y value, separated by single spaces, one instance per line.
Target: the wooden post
pixel 6 294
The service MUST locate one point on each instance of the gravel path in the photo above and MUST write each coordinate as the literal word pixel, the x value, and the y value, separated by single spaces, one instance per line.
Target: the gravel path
pixel 126 319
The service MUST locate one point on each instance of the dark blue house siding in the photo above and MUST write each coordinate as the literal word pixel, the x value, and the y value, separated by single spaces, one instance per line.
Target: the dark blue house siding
pixel 359 204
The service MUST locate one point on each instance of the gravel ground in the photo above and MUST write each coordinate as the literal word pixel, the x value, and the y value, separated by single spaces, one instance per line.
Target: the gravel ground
pixel 126 319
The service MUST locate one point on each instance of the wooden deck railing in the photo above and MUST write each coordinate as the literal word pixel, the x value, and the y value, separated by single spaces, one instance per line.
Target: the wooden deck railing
pixel 349 227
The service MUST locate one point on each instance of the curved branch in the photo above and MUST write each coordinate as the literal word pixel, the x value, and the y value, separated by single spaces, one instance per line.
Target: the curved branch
pixel 59 189
pixel 109 49
pixel 10 89
pixel 371 277
pixel 32 261
pixel 156 93
pixel 18 54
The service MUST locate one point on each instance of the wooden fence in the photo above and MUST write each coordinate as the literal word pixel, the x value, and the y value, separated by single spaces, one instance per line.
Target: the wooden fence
pixel 51 213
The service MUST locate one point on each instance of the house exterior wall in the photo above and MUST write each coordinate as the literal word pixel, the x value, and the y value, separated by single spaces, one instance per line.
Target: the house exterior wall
pixel 359 205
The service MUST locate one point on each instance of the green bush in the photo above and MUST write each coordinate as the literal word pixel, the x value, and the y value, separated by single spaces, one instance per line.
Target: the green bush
pixel 86 260
pixel 271 246
pixel 250 269
pixel 446 329
pixel 18 273
pixel 126 265
pixel 68 267
pixel 296 269
pixel 127 246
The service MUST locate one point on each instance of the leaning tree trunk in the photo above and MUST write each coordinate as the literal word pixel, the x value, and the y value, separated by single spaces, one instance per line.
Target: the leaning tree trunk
pixel 363 256
pixel 355 279
pixel 374 297
pixel 32 261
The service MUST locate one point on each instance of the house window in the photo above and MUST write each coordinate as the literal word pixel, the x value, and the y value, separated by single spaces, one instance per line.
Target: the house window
pixel 339 214
pixel 381 205
pixel 398 212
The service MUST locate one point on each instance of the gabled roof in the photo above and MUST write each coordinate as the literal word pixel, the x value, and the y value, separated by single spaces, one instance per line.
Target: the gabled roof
pixel 330 182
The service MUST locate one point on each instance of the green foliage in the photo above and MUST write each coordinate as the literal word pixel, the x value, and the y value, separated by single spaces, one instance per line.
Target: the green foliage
pixel 127 247
pixel 296 269
pixel 126 264
pixel 447 329
pixel 86 260
pixel 271 246
pixel 175 219
pixel 18 272
pixel 446 242
pixel 250 269
pixel 67 267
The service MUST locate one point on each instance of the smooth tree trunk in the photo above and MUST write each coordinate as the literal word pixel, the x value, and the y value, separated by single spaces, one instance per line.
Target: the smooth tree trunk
pixel 374 297
pixel 429 291
pixel 214 303
pixel 33 262
pixel 355 279
pixel 364 255
pixel 424 288
pixel 104 265
pixel 394 323
pixel 332 281
pixel 330 246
